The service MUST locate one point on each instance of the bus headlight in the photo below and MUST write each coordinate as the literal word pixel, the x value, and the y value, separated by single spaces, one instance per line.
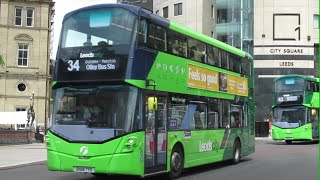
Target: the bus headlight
pixel 47 141
pixel 129 144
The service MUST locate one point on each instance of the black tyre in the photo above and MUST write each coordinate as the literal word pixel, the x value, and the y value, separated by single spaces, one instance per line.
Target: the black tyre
pixel 288 141
pixel 176 162
pixel 236 152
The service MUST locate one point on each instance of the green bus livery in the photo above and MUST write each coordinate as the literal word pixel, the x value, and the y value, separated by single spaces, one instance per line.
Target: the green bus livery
pixel 136 94
pixel 295 108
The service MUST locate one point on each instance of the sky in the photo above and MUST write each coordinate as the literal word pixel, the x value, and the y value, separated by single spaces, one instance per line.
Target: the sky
pixel 62 7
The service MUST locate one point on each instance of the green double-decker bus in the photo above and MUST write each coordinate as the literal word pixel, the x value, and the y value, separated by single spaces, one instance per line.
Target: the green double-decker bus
pixel 295 108
pixel 136 94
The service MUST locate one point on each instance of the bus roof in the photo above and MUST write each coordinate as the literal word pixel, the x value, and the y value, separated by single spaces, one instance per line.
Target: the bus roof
pixel 298 75
pixel 168 24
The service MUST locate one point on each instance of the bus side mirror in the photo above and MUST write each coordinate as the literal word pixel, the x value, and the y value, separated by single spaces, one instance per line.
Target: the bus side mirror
pixel 152 104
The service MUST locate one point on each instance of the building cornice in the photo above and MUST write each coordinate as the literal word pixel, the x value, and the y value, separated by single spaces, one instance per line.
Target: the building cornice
pixel 20 27
pixel 25 76
pixel 24 97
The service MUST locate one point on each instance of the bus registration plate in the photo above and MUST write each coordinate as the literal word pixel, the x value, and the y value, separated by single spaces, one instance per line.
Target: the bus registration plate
pixel 84 169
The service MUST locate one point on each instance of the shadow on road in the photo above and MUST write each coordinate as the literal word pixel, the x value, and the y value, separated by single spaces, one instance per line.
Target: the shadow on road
pixel 210 167
pixel 186 172
pixel 281 143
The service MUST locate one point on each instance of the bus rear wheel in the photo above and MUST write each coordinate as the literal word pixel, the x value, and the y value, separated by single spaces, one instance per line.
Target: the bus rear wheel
pixel 176 162
pixel 236 152
pixel 288 141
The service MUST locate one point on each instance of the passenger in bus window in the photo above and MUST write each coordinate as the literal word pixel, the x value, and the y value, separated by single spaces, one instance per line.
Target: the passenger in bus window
pixel 64 106
pixel 92 110
pixel 102 43
pixel 176 48
pixel 236 123
pixel 192 52
pixel 285 117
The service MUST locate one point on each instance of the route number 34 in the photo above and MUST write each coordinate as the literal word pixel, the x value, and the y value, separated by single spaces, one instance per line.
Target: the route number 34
pixel 73 65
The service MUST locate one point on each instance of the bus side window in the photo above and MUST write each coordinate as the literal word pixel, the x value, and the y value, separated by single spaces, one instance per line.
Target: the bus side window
pixel 225 113
pixel 235 116
pixel 234 63
pixel 199 117
pixel 316 84
pixel 196 50
pixel 213 114
pixel 151 36
pixel 210 56
pixel 176 115
pixel 160 39
pixel 177 44
pixel 246 67
pixel 216 56
pixel 224 59
pixel 142 34
pixel 213 56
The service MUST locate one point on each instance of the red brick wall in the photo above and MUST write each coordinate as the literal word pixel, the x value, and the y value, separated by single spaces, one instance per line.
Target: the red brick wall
pixel 16 136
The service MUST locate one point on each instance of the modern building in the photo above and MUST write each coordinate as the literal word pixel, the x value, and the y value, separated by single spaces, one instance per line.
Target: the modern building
pixel 147 4
pixel 286 41
pixel 234 23
pixel 25 47
pixel 198 15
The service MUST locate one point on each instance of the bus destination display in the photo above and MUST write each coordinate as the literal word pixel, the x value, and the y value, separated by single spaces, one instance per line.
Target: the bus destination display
pixel 92 65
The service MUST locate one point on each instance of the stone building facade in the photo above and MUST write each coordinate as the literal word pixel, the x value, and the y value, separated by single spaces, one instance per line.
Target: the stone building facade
pixel 25 47
pixel 198 15
pixel 147 4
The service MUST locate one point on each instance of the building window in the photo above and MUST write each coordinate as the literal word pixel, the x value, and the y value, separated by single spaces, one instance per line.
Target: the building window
pixel 222 16
pixel 18 16
pixel 212 11
pixel 23 55
pixel 20 109
pixel 30 17
pixel 316 21
pixel 165 12
pixel 178 9
pixel 22 87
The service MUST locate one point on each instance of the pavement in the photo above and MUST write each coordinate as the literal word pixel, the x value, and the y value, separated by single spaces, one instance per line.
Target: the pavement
pixel 13 156
pixel 269 138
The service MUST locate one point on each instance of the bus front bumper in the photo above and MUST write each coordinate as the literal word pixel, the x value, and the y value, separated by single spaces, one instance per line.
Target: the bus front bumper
pixel 290 134
pixel 124 163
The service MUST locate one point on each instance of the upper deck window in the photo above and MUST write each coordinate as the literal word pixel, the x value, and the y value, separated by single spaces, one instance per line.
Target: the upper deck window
pixel 98 27
pixel 289 84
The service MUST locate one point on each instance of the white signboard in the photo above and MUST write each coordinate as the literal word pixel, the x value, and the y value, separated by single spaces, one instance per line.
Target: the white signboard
pixel 284 64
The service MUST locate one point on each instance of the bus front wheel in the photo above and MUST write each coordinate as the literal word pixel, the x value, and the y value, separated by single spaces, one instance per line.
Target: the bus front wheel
pixel 176 162
pixel 236 152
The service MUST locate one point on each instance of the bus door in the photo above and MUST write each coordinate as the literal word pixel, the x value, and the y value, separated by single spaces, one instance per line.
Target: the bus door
pixel 315 123
pixel 156 134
